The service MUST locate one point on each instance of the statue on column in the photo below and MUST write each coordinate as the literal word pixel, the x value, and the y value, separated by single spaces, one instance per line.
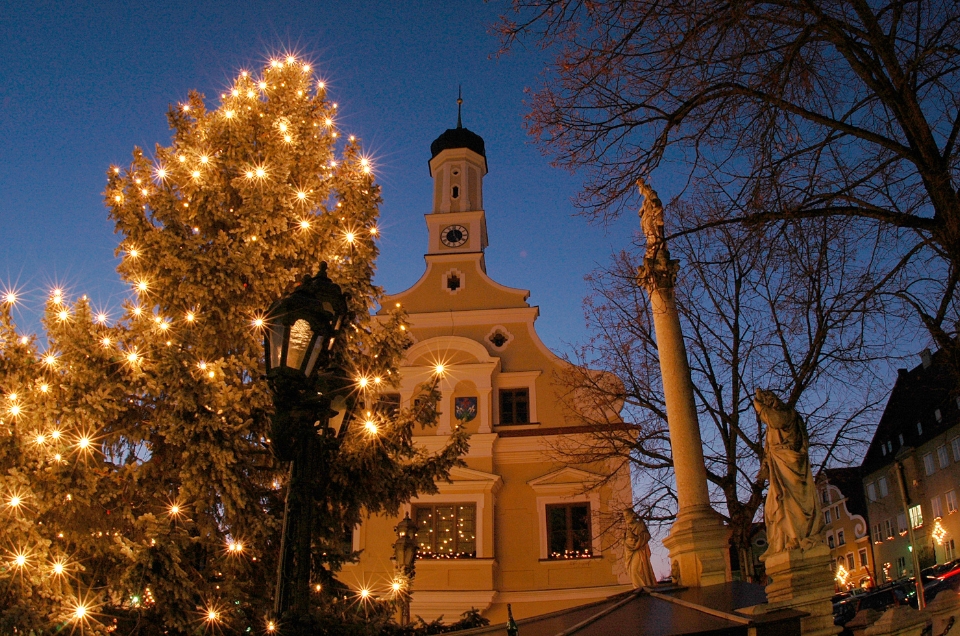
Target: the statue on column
pixel 792 509
pixel 651 218
pixel 636 550
pixel 405 548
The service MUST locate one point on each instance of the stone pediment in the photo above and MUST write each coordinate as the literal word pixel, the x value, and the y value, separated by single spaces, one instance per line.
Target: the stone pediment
pixel 470 480
pixel 564 481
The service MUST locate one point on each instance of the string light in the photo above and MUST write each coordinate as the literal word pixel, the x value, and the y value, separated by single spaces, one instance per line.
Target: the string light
pixel 50 360
pixel 101 318
pixel 44 387
pixel 84 443
pixel 63 315
pixel 14 501
pixel 105 341
pixel 371 427
pixel 57 295
pixel 58 567
pixel 439 369
pixel 133 252
pixel 10 298
pixel 304 224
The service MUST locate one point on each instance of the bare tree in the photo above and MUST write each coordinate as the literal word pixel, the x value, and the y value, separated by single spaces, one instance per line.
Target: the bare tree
pixel 751 317
pixel 845 109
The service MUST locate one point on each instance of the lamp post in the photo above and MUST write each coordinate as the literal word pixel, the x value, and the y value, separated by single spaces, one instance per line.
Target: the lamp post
pixel 405 553
pixel 302 328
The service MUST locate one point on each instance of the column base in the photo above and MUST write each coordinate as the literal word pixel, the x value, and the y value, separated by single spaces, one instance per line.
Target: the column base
pixel 699 546
pixel 802 580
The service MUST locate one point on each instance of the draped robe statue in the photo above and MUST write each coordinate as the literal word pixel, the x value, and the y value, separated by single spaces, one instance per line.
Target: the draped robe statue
pixel 636 551
pixel 792 509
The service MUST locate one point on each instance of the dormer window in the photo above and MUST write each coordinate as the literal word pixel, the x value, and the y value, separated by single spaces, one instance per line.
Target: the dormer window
pixel 937 414
pixel 919 428
pixel 456 192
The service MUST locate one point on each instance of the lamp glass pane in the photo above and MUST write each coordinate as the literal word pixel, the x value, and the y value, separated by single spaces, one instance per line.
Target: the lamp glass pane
pixel 276 345
pixel 300 336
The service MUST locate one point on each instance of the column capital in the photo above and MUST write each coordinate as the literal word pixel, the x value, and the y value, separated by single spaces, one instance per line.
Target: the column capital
pixel 658 272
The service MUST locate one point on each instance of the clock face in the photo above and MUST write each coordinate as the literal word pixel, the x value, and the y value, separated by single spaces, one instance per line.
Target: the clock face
pixel 453 235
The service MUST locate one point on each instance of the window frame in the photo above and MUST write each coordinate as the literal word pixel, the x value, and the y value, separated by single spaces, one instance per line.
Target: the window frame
pixel 443 504
pixel 883 487
pixel 862 554
pixel 929 466
pixel 568 506
pixel 935 507
pixel 871 491
pixel 878 533
pixel 513 391
pixel 916 516
pixel 951 500
pixel 943 457
pixel 841 538
pixel 548 498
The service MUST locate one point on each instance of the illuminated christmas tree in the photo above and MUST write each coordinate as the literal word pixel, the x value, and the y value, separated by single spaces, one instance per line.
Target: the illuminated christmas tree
pixel 138 491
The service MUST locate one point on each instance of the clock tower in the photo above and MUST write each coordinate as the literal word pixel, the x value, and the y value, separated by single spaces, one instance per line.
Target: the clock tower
pixel 457 224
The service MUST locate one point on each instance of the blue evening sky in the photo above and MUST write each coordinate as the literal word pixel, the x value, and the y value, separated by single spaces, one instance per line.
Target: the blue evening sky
pixel 84 82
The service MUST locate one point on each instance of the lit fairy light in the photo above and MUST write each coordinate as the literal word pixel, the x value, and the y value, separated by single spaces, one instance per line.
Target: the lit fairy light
pixel 235 547
pixel 304 224
pixel 202 365
pixel 235 92
pixel 63 315
pixel 365 165
pixel 301 195
pixel 80 611
pixel 204 159
pixel 133 357
pixel 44 388
pixel 327 122
pixel 190 317
pixel 317 588
pixel 374 230
pixel 228 114
pixel 10 298
pixel 195 174
pixel 271 627
pixel 439 369
pixel 350 237
pixel 106 341
pixel 50 360
pixel 212 615
pixel 362 382
pixel 142 285
pixel 20 559
pixel 288 138
pixel 40 439
pixel 365 593
pixel 118 198
pixel 58 567
pixel 182 158
pixel 15 501
pixel 396 586
pixel 133 252
pixel 84 443
pixel 291 60
pixel 137 311
pixel 25 340
pixel 55 434
pixel 173 510
pixel 258 322
pixel 160 173
pixel 306 68
pixel 371 427
pixel 101 318
pixel 13 397
pixel 57 296
pixel 262 86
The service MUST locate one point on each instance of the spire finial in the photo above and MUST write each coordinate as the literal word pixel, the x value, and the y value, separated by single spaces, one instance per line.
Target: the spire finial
pixel 459 103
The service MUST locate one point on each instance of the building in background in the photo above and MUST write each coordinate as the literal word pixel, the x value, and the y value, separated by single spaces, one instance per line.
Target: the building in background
pixel 911 472
pixel 847 532
pixel 516 525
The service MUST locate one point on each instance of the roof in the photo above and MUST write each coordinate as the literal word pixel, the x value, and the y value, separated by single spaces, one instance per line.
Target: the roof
pixel 656 612
pixel 915 397
pixel 458 137
pixel 849 481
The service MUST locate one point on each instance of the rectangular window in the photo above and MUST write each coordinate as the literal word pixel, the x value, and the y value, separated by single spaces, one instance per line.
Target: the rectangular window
pixel 882 487
pixel 388 405
pixel 888 526
pixel 840 539
pixel 877 533
pixel 928 465
pixel 514 406
pixel 830 541
pixel 446 531
pixel 950 548
pixel 901 523
pixel 942 456
pixel 935 507
pixel 951 498
pixel 568 531
pixel 871 491
pixel 826 517
pixel 851 565
pixel 955 445
pixel 826 496
pixel 938 414
pixel 901 566
pixel 863 558
pixel 919 428
pixel 916 516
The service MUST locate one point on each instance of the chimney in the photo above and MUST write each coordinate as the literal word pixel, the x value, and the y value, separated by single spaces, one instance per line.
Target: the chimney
pixel 925 358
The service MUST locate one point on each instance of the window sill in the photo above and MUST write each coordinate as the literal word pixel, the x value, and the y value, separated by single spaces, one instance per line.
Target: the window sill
pixel 517 427
pixel 580 560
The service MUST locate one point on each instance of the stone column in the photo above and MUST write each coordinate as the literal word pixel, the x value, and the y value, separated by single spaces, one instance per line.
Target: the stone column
pixel 802 580
pixel 698 541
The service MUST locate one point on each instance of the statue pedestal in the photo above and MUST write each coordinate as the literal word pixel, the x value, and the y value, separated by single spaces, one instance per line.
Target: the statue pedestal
pixel 802 580
pixel 699 543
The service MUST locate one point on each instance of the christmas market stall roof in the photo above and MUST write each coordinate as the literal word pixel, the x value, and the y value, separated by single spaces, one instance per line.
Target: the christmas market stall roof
pixel 662 611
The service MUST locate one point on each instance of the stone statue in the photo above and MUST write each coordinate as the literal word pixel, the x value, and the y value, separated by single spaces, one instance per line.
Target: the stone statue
pixel 636 550
pixel 792 509
pixel 405 548
pixel 651 218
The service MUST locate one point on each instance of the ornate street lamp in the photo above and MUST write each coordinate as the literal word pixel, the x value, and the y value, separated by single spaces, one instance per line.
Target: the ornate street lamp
pixel 302 329
pixel 405 554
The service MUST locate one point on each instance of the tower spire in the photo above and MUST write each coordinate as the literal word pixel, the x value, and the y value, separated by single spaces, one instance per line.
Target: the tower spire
pixel 459 103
